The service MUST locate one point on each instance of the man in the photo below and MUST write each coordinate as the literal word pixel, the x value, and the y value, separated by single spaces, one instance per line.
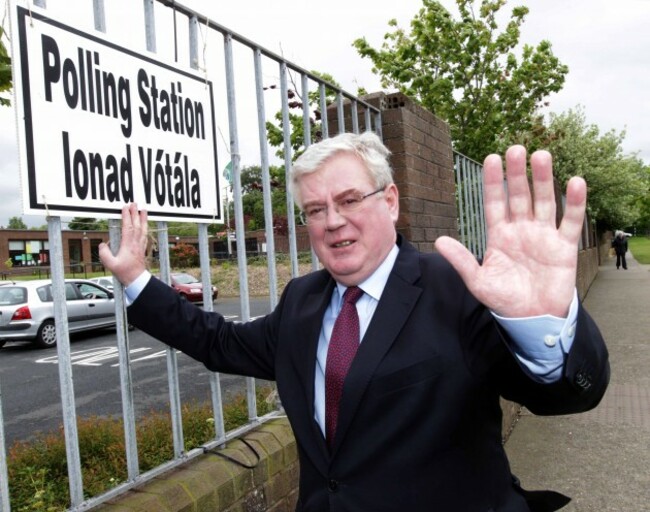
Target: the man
pixel 413 422
pixel 620 248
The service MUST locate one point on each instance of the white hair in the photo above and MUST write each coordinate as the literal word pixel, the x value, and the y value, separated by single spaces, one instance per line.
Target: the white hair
pixel 367 146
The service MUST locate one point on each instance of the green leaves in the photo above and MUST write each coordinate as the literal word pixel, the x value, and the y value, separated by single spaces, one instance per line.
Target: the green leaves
pixel 466 72
pixel 618 184
pixel 16 223
pixel 5 71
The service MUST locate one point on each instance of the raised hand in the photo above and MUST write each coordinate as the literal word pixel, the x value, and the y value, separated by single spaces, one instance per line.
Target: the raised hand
pixel 130 260
pixel 530 265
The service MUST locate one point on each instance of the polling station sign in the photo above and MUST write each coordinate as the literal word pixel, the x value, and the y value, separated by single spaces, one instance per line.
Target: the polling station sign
pixel 101 125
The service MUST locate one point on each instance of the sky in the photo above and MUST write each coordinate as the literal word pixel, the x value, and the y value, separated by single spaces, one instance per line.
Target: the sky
pixel 605 44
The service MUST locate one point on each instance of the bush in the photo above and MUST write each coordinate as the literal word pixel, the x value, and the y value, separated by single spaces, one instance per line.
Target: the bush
pixel 38 473
pixel 183 255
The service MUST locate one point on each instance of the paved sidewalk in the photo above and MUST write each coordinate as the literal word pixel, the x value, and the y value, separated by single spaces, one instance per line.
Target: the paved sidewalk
pixel 601 459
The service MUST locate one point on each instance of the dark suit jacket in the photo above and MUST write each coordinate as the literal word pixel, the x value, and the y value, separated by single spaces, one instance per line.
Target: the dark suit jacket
pixel 420 422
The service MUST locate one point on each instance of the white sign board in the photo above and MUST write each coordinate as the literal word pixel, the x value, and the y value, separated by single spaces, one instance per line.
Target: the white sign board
pixel 100 126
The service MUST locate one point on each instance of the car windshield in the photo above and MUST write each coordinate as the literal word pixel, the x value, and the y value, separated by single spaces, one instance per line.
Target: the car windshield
pixel 10 295
pixel 185 279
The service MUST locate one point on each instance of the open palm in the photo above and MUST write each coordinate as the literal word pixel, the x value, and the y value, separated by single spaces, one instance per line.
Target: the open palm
pixel 530 264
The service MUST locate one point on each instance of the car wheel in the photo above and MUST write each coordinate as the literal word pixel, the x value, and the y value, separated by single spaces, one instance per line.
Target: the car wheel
pixel 183 296
pixel 46 336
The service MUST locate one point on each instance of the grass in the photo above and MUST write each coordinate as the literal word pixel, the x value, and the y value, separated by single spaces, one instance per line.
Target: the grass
pixel 38 473
pixel 225 275
pixel 640 248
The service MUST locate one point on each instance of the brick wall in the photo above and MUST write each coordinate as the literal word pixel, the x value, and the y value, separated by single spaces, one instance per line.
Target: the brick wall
pixel 213 483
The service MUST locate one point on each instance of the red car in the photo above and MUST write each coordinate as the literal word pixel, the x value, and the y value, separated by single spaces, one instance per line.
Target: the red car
pixel 190 287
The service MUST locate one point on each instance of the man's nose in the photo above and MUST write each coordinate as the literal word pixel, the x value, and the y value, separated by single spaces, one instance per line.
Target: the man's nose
pixel 333 219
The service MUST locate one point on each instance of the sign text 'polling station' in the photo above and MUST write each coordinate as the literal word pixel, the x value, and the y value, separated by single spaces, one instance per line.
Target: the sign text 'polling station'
pixel 101 125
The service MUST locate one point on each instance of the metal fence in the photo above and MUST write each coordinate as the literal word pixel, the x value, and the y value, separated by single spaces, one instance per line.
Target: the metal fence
pixel 246 68
pixel 472 227
pixel 469 199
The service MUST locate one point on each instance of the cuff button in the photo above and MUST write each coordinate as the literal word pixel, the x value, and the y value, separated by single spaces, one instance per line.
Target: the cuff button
pixel 550 340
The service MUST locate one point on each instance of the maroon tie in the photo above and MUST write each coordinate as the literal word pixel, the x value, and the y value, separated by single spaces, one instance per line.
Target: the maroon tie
pixel 344 343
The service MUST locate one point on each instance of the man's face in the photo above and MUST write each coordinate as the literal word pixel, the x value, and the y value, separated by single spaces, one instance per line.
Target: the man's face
pixel 350 245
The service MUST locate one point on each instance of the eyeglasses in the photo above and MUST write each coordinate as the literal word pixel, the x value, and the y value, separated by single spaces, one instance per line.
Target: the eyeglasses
pixel 349 203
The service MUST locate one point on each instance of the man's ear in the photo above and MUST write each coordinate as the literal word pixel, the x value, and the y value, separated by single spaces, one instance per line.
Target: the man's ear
pixel 391 195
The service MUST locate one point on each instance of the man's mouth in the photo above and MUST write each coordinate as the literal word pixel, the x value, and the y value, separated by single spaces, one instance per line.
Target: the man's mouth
pixel 344 243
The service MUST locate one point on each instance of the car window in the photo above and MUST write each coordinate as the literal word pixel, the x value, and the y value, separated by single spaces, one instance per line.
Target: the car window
pixel 185 279
pixel 90 291
pixel 45 293
pixel 10 295
pixel 70 292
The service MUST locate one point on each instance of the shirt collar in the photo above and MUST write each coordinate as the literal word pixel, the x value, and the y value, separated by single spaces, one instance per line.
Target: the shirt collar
pixel 374 285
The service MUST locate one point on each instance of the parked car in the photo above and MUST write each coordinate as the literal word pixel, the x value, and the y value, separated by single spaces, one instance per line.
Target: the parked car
pixel 190 287
pixel 105 281
pixel 27 310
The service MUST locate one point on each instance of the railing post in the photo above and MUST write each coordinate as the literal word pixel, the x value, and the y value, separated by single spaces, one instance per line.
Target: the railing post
pixel 65 365
pixel 4 478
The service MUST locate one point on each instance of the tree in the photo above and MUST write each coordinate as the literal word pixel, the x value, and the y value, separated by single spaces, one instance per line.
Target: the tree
pixel 87 224
pixel 183 255
pixel 251 178
pixel 5 70
pixel 643 222
pixel 16 223
pixel 183 228
pixel 618 184
pixel 467 73
pixel 253 199
pixel 296 102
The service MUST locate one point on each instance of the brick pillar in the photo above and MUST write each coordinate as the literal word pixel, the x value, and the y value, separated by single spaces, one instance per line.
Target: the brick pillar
pixel 423 163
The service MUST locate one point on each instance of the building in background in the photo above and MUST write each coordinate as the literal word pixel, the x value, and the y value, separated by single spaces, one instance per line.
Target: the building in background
pixel 27 251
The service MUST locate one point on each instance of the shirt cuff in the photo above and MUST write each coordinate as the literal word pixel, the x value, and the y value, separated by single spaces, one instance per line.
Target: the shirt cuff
pixel 540 343
pixel 132 291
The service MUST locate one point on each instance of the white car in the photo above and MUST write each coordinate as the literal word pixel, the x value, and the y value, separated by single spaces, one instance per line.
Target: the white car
pixel 27 310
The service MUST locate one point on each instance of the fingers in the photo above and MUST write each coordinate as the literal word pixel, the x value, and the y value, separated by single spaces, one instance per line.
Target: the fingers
pixel 541 164
pixel 513 203
pixel 494 193
pixel 134 222
pixel 138 218
pixel 129 261
pixel 574 210
pixel 106 255
pixel 519 201
pixel 459 257
pixel 519 204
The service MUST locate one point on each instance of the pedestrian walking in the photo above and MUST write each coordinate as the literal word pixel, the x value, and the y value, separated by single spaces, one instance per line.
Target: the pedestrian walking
pixel 620 247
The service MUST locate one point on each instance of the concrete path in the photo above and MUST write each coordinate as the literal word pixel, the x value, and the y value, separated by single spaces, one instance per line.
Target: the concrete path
pixel 601 459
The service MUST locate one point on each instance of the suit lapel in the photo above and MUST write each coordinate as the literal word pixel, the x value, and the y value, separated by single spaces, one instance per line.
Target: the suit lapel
pixel 395 306
pixel 308 327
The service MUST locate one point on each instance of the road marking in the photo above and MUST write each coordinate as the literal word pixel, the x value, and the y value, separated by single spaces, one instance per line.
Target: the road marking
pixel 95 356
pixel 155 355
